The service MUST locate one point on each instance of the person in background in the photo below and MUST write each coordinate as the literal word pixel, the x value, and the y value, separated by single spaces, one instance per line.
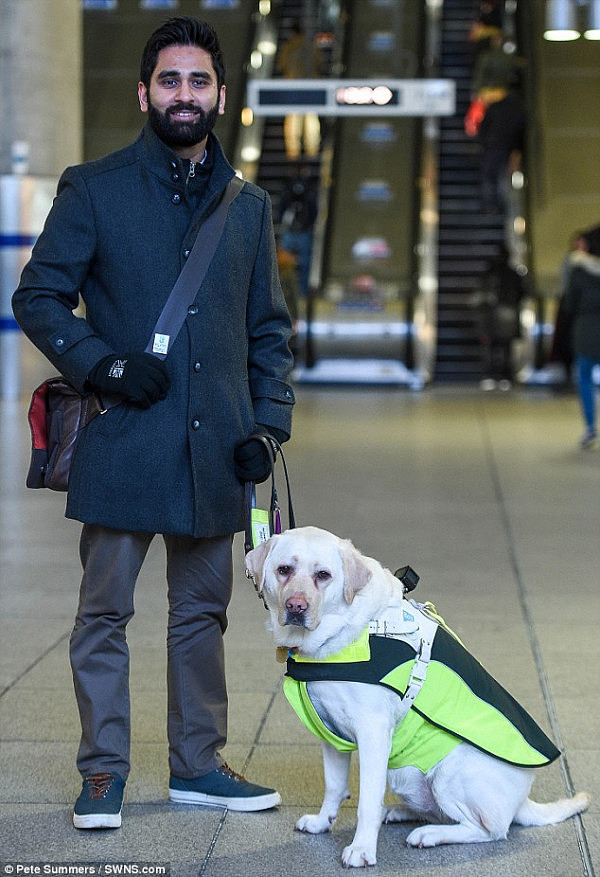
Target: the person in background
pixel 561 352
pixel 582 304
pixel 299 60
pixel 502 141
pixel 173 457
pixel 499 302
pixel 486 25
pixel 496 67
pixel 298 210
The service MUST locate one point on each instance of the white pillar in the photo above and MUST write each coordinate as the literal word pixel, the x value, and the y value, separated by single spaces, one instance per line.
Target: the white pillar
pixel 41 108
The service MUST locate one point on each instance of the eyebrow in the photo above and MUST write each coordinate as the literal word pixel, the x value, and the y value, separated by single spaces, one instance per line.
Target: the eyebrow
pixel 194 74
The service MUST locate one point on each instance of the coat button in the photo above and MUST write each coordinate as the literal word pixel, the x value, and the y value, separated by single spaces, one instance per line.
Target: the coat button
pixel 175 177
pixel 186 253
pixel 192 310
pixel 195 424
pixel 60 342
pixel 197 367
pixel 176 198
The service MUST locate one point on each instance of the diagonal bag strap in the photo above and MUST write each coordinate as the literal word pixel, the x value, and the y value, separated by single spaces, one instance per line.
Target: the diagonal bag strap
pixel 190 279
pixel 272 524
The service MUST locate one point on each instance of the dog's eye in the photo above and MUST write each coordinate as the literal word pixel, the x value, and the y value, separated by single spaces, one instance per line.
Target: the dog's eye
pixel 323 575
pixel 284 570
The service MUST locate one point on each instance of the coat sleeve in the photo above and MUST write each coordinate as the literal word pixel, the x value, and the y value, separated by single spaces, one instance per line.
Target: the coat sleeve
pixel 47 297
pixel 269 329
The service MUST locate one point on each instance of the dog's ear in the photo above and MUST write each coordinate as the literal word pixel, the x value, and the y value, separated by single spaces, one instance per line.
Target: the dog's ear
pixel 356 571
pixel 255 563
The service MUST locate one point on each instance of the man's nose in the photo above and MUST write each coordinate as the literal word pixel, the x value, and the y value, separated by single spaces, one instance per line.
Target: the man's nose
pixel 184 93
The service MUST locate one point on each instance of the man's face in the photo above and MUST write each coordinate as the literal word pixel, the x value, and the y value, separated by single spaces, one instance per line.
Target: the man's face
pixel 183 100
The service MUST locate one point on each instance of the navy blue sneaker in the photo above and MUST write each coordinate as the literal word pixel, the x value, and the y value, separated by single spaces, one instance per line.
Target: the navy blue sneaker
pixel 223 788
pixel 99 804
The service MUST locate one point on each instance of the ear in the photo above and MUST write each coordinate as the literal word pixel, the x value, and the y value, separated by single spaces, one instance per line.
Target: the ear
pixel 356 571
pixel 222 93
pixel 255 562
pixel 143 97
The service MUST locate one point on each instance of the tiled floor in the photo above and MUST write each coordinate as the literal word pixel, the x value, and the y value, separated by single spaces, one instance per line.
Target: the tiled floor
pixel 487 496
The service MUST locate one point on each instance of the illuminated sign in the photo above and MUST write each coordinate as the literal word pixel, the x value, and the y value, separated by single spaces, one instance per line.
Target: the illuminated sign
pixel 345 97
pixel 366 95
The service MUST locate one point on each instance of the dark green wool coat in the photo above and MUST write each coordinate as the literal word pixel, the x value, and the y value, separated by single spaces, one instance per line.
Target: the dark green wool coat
pixel 118 234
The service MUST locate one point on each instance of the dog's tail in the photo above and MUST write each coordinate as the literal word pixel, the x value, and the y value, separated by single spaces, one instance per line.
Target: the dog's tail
pixel 532 813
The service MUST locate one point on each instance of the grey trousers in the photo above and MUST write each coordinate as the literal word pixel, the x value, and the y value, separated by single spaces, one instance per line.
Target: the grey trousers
pixel 199 587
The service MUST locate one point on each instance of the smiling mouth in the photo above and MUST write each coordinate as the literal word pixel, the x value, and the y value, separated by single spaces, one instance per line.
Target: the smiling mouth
pixel 183 112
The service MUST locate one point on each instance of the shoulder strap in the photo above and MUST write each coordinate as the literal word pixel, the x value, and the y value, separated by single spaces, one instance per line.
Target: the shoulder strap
pixel 190 279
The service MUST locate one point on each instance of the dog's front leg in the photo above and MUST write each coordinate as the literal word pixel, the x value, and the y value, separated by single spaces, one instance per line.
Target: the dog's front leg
pixel 373 752
pixel 336 767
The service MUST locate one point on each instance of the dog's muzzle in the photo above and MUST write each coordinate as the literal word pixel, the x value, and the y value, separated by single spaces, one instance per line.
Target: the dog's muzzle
pixel 296 608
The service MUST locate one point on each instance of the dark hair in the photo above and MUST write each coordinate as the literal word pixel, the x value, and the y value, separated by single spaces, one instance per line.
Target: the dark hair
pixel 182 31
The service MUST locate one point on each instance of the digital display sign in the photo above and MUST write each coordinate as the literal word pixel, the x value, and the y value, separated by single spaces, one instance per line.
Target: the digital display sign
pixel 345 97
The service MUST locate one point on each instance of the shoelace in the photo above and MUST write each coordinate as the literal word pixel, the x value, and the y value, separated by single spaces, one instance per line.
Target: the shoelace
pixel 99 784
pixel 232 773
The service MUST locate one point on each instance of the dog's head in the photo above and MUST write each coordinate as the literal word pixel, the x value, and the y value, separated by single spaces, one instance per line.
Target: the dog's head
pixel 304 574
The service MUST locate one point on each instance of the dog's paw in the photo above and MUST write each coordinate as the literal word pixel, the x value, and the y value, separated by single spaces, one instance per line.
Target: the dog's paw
pixel 424 836
pixel 358 857
pixel 314 824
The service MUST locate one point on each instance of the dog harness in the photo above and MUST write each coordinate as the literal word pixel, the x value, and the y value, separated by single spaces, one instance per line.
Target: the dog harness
pixel 447 696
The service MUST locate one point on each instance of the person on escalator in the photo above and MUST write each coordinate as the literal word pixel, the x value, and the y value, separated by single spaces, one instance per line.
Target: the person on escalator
pixel 299 60
pixel 297 215
pixel 502 141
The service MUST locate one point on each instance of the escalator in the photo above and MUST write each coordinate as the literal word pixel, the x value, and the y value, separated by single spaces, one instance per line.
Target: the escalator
pixel 357 326
pixel 467 237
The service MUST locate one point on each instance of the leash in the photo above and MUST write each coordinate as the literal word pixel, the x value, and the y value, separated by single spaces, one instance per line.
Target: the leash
pixel 261 524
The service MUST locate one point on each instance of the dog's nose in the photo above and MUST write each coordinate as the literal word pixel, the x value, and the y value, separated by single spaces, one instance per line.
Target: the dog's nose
pixel 296 604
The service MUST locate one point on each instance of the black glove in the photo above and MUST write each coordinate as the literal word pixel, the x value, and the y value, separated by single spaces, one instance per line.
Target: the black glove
pixel 251 458
pixel 139 377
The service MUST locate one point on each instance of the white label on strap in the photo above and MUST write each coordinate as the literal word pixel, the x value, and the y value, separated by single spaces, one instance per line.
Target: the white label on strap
pixel 161 343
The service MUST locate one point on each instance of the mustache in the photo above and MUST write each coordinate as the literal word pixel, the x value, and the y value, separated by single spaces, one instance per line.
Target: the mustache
pixel 185 107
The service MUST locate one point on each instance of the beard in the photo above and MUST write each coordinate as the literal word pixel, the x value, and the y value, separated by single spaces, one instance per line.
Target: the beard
pixel 182 134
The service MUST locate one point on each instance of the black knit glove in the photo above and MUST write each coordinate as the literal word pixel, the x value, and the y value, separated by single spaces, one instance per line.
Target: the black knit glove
pixel 251 458
pixel 139 377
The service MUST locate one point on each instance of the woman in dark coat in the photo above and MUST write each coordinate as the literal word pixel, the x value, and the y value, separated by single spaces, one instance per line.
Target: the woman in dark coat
pixel 582 302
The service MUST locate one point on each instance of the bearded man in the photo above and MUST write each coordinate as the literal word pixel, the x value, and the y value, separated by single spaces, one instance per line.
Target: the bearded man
pixel 172 457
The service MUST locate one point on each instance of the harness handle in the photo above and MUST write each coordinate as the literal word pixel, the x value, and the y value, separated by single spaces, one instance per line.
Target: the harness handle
pixel 260 525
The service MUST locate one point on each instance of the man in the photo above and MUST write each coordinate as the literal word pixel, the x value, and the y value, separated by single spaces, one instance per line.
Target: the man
pixel 172 457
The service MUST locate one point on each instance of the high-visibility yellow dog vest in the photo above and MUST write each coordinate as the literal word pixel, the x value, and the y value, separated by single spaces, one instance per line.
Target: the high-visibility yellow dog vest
pixel 457 701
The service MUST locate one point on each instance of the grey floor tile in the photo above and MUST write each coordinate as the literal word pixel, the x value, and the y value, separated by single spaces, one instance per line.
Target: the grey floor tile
pixel 488 498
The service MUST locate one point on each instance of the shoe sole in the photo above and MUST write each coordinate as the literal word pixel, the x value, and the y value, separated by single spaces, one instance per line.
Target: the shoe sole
pixel 97 820
pixel 243 805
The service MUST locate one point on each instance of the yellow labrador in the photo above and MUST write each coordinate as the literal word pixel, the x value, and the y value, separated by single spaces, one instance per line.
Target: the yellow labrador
pixel 345 613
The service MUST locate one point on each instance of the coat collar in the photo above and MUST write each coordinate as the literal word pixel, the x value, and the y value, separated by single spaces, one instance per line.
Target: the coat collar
pixel 164 163
pixel 589 263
